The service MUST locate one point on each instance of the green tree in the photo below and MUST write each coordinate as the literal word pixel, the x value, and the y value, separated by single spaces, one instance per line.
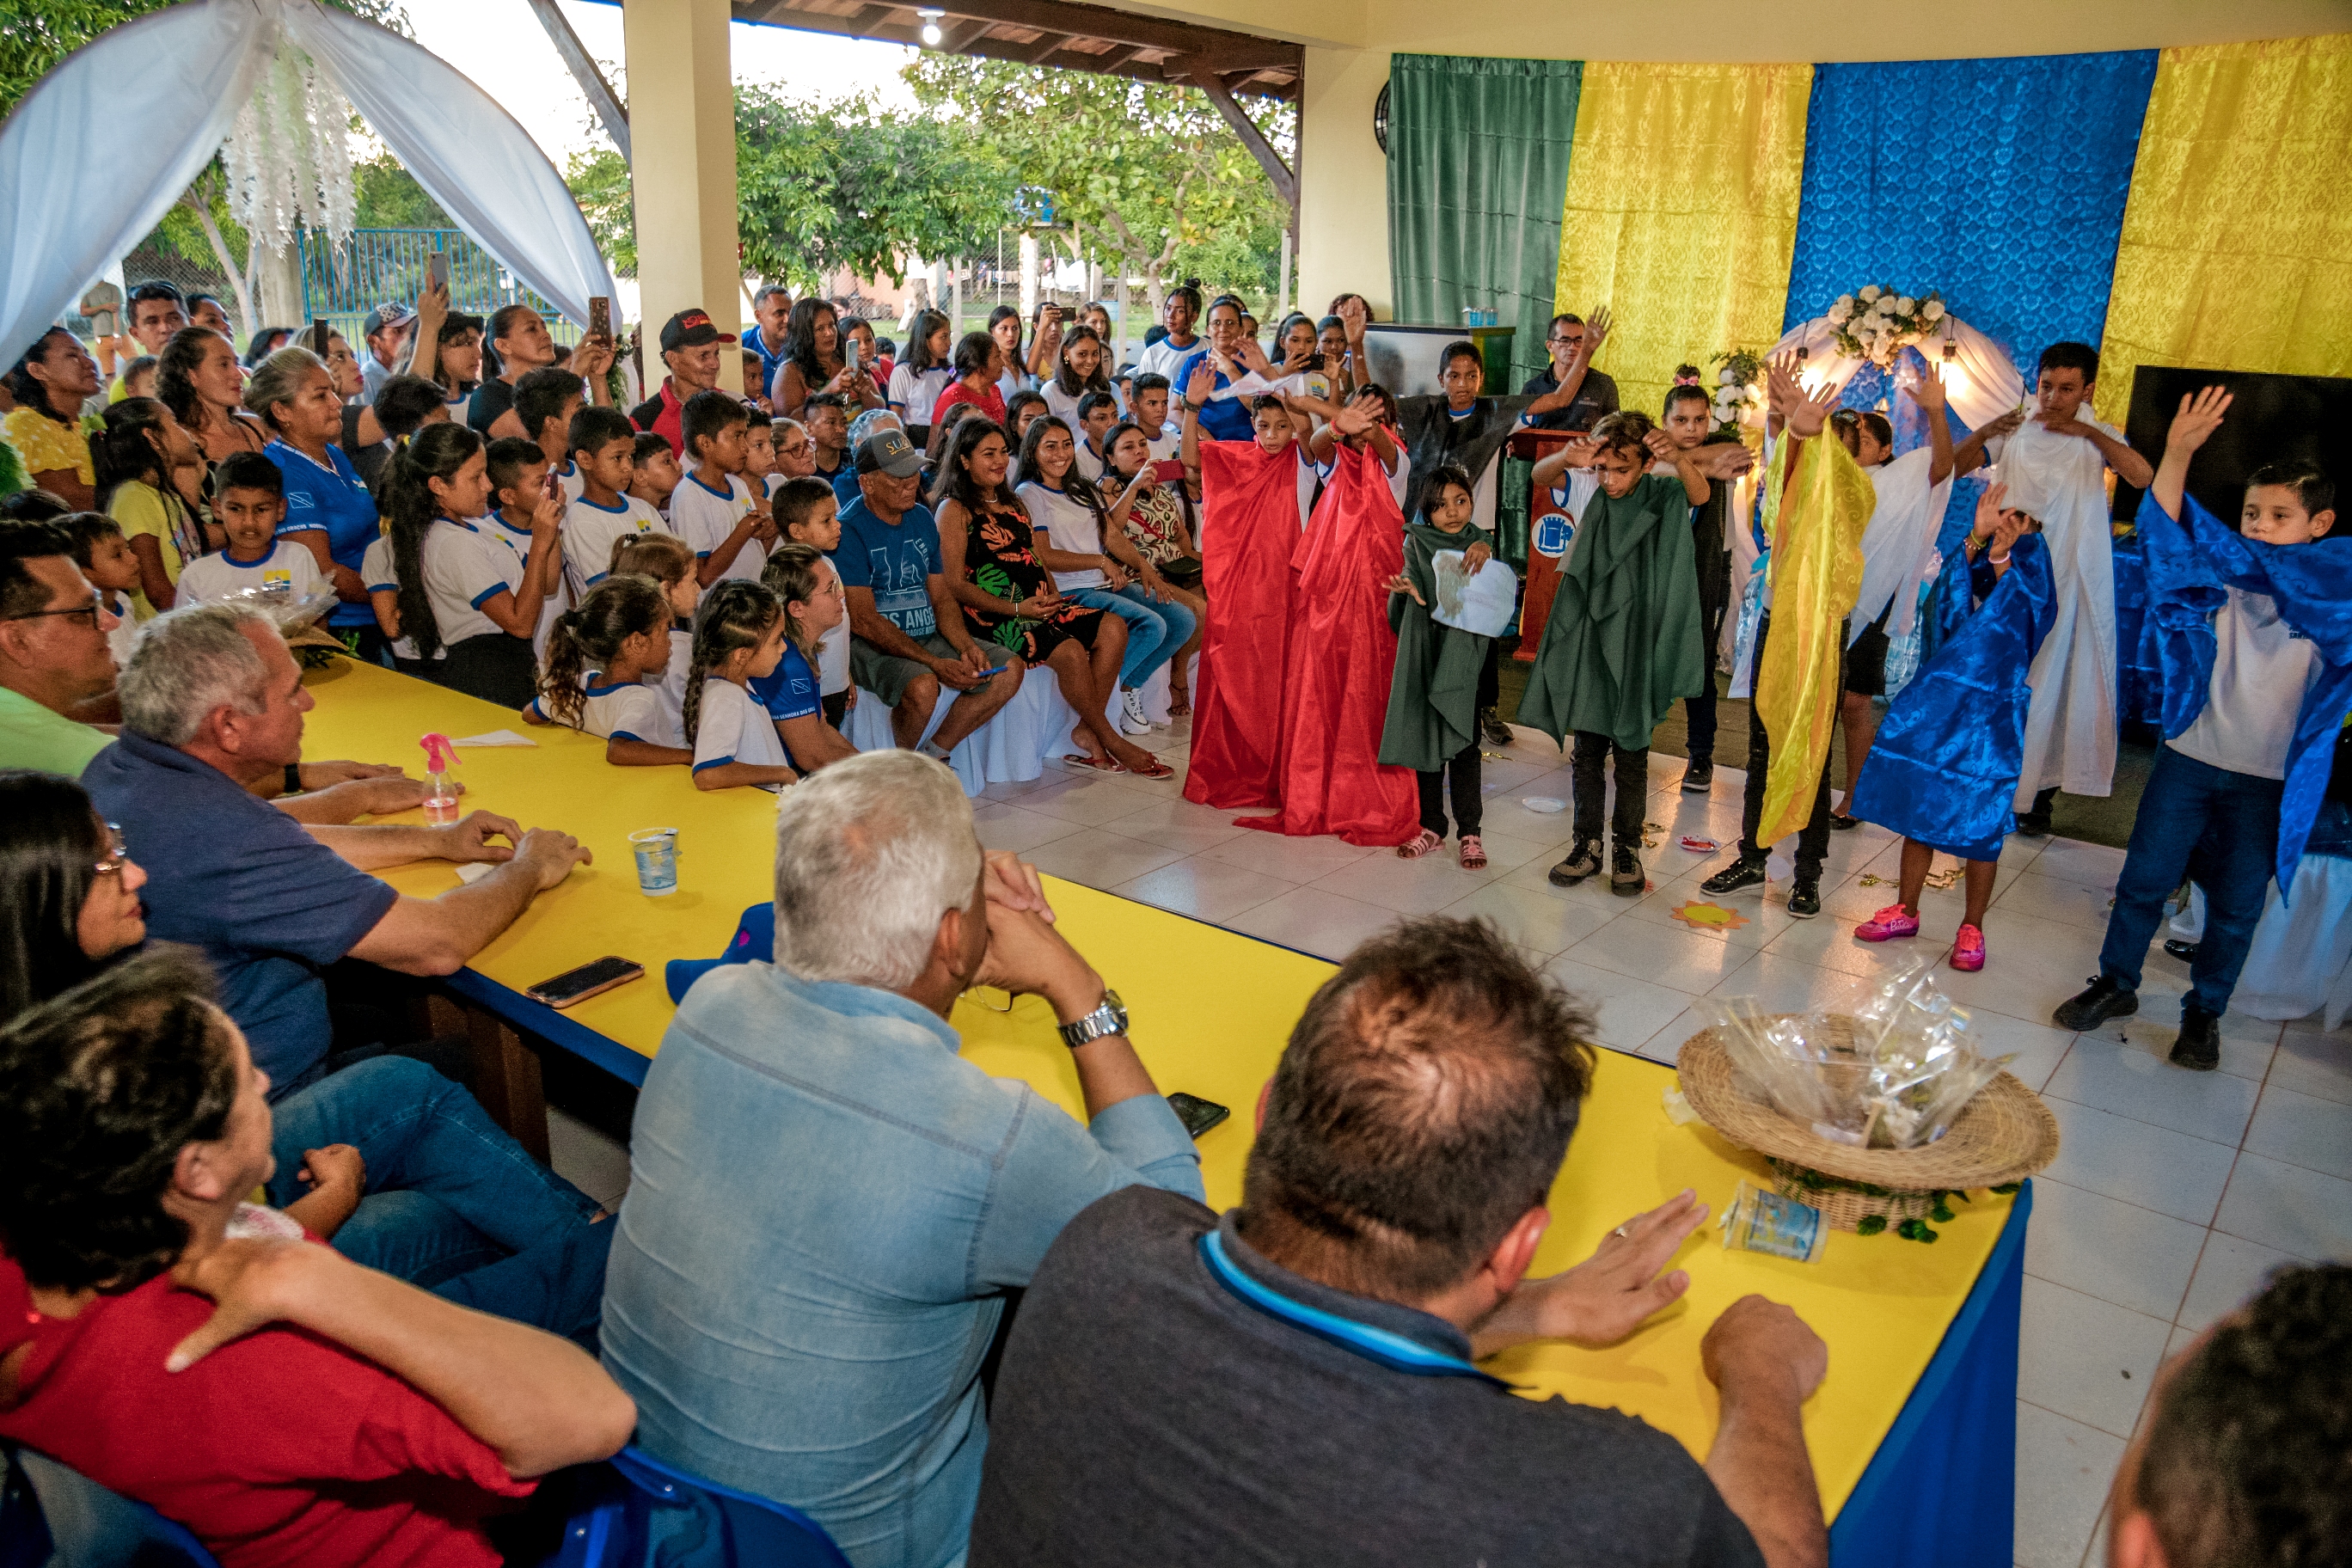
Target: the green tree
pixel 823 187
pixel 1146 175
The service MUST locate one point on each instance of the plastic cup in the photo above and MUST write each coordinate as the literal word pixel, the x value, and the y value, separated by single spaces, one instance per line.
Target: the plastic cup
pixel 1759 1221
pixel 656 852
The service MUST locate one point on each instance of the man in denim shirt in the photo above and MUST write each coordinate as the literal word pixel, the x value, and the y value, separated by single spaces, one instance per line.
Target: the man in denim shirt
pixel 827 1204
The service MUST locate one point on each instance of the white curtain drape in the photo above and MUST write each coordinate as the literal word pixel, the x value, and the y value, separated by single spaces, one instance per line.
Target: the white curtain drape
pixel 1988 384
pixel 88 165
pixel 72 154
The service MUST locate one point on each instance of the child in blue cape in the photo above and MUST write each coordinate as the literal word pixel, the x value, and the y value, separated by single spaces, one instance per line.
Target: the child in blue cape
pixel 2254 639
pixel 1946 759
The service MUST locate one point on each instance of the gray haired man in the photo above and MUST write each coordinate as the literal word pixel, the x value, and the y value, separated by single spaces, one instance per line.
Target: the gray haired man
pixel 827 1204
pixel 212 705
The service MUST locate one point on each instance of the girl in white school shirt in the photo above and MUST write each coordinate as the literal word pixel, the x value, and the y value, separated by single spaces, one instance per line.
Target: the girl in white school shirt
pixel 467 602
pixel 739 636
pixel 669 561
pixel 597 662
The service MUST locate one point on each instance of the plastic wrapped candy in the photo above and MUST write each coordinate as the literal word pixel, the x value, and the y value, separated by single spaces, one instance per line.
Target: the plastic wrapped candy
pixel 1894 1075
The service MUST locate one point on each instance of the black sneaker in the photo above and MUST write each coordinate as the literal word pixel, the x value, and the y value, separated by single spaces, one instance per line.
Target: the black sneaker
pixel 1492 729
pixel 2199 1048
pixel 1805 898
pixel 1583 861
pixel 1625 877
pixel 2034 824
pixel 2184 951
pixel 2101 1000
pixel 1699 777
pixel 1742 873
pixel 1841 824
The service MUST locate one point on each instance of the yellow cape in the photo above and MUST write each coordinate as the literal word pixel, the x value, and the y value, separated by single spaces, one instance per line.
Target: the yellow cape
pixel 1815 520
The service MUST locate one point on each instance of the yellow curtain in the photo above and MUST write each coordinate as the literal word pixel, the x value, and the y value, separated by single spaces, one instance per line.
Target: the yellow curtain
pixel 1681 213
pixel 2237 241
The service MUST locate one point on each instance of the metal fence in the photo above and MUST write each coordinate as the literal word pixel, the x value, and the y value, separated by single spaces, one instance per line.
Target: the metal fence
pixel 390 265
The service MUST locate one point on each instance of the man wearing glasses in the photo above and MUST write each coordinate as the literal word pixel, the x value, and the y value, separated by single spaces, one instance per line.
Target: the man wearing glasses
pixel 1572 344
pixel 53 654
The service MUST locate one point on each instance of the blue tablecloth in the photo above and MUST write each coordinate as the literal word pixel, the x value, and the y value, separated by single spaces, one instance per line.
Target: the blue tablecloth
pixel 1941 1492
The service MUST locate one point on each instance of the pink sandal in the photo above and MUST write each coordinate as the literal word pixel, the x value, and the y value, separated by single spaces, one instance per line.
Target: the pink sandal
pixel 1474 853
pixel 1418 845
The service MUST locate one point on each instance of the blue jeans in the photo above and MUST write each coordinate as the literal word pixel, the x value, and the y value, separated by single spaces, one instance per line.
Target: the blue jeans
pixel 453 1204
pixel 2220 830
pixel 1154 631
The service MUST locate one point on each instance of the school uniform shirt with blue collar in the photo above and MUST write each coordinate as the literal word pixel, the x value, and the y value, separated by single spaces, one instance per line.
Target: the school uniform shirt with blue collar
pixel 704 518
pixel 551 605
pixel 627 710
pixel 574 482
pixel 466 566
pixel 376 571
pixel 590 532
pixel 126 627
pixel 287 567
pixel 734 728
pixel 788 691
pixel 332 499
pixel 1073 527
pixel 669 686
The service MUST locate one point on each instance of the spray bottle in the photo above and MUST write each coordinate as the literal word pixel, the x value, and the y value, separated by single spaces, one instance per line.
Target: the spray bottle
pixel 440 788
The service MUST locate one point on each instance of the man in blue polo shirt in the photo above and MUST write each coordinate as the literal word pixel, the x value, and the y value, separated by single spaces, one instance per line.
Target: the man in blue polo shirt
pixel 212 706
pixel 908 637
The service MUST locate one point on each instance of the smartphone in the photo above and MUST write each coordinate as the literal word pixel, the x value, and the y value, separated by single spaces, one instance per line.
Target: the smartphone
pixel 589 980
pixel 319 336
pixel 1198 1115
pixel 600 316
pixel 437 267
pixel 552 485
pixel 849 353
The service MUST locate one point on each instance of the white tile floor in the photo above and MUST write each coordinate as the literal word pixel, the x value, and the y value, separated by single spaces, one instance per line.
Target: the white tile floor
pixel 2173 1194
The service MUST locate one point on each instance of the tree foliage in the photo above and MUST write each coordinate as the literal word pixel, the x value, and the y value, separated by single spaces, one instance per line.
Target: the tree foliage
pixel 1146 175
pixel 822 187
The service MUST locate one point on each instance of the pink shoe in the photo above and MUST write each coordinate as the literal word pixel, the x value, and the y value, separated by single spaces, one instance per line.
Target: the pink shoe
pixel 1968 949
pixel 1892 921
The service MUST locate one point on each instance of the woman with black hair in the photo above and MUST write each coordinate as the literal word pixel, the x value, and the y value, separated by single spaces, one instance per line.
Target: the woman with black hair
pixel 137 458
pixel 50 385
pixel 989 560
pixel 396 1166
pixel 467 602
pixel 199 379
pixel 1080 372
pixel 264 344
pixel 813 361
pixel 917 381
pixel 979 357
pixel 1177 313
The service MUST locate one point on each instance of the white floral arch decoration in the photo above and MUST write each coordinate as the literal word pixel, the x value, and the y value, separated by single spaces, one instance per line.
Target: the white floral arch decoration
pixel 1982 382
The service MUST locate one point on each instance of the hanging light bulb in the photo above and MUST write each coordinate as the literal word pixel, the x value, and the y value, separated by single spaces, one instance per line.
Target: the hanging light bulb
pixel 1955 380
pixel 930 25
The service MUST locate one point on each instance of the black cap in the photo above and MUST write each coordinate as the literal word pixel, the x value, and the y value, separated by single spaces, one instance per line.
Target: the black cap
pixel 691 328
pixel 888 452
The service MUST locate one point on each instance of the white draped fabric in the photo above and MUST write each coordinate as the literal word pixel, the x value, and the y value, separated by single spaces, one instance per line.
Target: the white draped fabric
pixel 1899 543
pixel 1017 746
pixel 2301 961
pixel 1987 386
pixel 2069 726
pixel 88 168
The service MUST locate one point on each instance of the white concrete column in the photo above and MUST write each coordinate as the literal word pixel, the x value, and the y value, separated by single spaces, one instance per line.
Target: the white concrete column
pixel 1343 203
pixel 682 136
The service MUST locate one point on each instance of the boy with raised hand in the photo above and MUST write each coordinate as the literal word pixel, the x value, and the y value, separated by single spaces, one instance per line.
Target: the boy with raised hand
pixel 517 471
pixel 2255 629
pixel 1689 425
pixel 603 451
pixel 545 401
pixel 2055 464
pixel 1623 641
pixel 712 509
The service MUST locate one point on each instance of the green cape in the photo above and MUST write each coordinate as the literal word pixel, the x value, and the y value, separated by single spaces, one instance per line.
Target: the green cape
pixel 1434 696
pixel 1623 639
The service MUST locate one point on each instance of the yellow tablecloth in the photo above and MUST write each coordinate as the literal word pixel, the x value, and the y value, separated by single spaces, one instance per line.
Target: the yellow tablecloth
pixel 1212 1011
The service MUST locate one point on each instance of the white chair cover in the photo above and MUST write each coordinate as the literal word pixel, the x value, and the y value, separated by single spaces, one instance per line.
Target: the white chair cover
pixel 2301 961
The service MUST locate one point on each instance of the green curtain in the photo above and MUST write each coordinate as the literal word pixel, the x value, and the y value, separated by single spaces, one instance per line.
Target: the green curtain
pixel 1477 179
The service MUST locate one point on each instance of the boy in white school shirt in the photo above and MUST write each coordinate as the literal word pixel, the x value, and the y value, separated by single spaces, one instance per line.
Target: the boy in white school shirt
pixel 249 502
pixel 519 475
pixel 712 509
pixel 603 452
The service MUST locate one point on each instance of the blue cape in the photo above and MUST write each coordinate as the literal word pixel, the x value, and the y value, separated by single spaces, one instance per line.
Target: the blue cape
pixel 2190 562
pixel 1945 764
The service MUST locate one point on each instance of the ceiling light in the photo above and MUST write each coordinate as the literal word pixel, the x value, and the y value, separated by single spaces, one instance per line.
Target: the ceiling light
pixel 930 25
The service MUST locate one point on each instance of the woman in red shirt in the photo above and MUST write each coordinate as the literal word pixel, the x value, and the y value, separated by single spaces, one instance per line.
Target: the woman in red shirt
pixel 979 360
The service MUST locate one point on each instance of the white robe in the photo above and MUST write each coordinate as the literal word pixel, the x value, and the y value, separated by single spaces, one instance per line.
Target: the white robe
pixel 2070 725
pixel 1898 545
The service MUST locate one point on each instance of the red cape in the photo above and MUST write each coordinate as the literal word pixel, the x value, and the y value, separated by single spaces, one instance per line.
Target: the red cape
pixel 1337 674
pixel 1249 529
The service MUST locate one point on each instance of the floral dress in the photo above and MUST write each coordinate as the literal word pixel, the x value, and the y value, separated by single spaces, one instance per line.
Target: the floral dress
pixel 998 559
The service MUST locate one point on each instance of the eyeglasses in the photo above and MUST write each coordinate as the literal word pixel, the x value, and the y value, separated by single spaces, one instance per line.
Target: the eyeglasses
pixel 91 610
pixel 118 853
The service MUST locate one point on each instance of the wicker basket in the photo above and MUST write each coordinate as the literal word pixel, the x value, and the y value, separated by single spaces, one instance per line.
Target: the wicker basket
pixel 2004 1135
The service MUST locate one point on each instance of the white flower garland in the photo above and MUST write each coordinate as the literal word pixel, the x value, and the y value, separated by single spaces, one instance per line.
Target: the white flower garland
pixel 1875 323
pixel 288 155
pixel 1738 400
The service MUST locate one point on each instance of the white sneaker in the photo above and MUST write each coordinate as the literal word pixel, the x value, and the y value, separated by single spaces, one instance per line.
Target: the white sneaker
pixel 1132 716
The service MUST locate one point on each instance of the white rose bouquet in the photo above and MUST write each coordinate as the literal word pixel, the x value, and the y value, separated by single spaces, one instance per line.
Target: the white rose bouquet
pixel 1876 323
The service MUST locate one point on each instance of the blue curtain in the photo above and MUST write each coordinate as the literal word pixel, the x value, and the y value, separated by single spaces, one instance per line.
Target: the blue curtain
pixel 2000 182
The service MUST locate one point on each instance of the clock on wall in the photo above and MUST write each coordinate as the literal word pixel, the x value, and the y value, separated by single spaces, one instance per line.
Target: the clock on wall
pixel 1380 119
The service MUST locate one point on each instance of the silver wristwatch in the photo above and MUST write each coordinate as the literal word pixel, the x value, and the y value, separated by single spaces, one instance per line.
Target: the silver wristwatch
pixel 1110 1018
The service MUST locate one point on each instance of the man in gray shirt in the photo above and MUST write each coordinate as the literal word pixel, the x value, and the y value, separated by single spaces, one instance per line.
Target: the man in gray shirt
pixel 827 1205
pixel 1298 1382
